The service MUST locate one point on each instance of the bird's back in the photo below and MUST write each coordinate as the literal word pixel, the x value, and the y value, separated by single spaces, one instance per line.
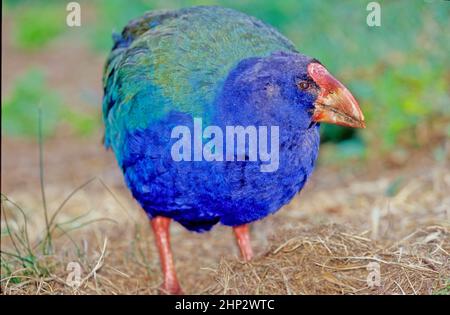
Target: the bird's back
pixel 176 61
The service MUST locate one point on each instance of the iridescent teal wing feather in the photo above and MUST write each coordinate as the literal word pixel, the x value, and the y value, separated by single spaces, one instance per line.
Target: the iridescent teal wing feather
pixel 177 61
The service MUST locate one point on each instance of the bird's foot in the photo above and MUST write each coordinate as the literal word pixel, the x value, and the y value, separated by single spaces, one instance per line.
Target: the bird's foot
pixel 170 289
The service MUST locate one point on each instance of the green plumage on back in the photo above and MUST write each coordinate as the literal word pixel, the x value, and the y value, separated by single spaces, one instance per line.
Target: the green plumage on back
pixel 177 61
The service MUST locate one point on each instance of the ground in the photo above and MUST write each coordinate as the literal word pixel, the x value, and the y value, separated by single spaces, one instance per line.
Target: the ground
pixel 322 242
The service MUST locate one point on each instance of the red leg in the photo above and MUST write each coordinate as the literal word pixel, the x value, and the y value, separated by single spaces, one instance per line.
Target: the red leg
pixel 160 227
pixel 243 240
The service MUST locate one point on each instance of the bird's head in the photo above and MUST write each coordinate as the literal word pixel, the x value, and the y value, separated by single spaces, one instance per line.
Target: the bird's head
pixel 289 88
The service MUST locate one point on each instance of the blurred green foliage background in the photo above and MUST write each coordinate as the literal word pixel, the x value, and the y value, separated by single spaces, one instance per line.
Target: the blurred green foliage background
pixel 399 72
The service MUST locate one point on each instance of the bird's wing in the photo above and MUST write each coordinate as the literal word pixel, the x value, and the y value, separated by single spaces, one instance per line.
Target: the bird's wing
pixel 177 61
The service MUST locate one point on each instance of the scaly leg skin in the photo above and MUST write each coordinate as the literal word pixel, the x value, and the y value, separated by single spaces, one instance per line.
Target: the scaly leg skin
pixel 160 227
pixel 243 240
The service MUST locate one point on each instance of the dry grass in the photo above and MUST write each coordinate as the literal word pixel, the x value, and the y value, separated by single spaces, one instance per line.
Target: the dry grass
pixel 321 243
pixel 333 260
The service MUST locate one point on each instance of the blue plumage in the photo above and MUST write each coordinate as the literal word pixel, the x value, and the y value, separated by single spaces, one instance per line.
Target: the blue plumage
pixel 170 67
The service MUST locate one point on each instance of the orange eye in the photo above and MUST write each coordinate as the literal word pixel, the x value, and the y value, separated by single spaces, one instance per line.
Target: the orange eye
pixel 303 85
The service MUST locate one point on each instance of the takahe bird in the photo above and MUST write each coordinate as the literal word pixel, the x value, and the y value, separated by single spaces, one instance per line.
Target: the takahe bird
pixel 212 66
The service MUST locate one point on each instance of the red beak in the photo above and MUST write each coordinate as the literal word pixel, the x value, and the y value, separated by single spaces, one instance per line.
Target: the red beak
pixel 334 104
